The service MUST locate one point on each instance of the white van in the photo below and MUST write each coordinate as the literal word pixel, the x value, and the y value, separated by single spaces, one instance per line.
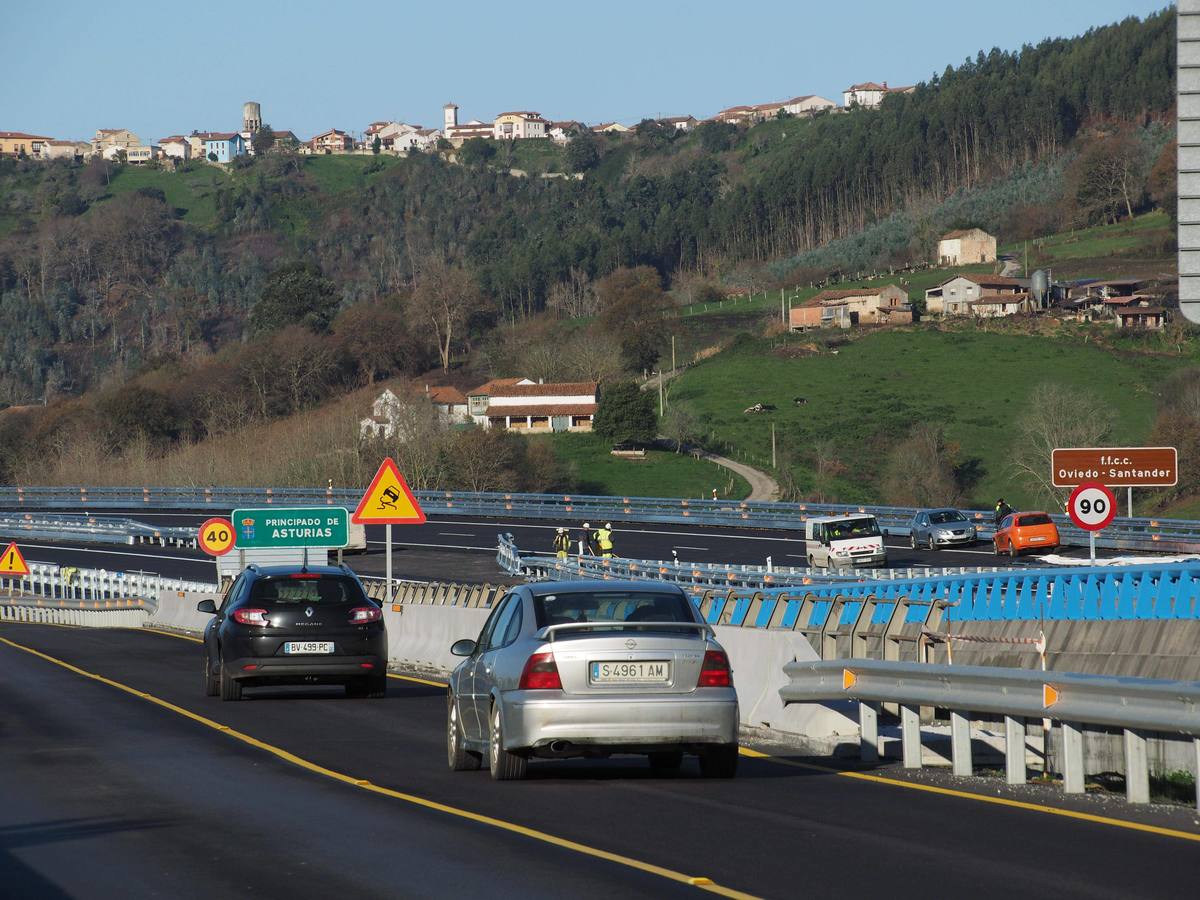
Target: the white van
pixel 844 541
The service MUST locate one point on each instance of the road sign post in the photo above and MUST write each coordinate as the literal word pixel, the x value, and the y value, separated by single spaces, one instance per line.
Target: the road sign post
pixel 1092 507
pixel 216 537
pixel 387 502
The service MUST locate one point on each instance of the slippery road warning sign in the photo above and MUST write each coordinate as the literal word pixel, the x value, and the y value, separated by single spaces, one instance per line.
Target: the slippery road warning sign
pixel 388 501
pixel 12 562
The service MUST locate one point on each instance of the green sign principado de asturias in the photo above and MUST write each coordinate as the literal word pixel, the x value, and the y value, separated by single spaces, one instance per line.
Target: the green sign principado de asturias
pixel 279 527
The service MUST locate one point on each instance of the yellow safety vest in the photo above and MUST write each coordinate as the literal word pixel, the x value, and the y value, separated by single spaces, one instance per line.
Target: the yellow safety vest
pixel 604 538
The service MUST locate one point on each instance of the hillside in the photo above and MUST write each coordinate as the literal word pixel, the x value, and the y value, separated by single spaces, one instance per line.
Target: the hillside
pixel 133 265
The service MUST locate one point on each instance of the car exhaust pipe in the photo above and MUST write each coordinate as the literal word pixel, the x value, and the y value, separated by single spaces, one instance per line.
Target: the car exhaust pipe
pixel 560 746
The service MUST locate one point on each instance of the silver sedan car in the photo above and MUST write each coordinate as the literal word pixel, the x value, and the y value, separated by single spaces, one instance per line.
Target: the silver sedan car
pixel 565 669
pixel 935 528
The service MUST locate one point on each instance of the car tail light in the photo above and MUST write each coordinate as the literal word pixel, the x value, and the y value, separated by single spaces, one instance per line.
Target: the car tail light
pixel 304 576
pixel 541 674
pixel 249 667
pixel 715 672
pixel 361 615
pixel 252 617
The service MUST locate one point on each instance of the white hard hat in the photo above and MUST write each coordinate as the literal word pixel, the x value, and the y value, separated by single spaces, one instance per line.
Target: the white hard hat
pixel 608 525
pixel 586 525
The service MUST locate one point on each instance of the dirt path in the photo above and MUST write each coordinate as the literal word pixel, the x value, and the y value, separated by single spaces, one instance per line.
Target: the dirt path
pixel 762 485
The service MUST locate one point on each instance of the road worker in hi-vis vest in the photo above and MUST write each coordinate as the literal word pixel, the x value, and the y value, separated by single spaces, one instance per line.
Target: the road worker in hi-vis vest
pixel 562 543
pixel 604 540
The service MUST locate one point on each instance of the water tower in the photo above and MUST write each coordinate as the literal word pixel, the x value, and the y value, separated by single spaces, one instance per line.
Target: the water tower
pixel 251 116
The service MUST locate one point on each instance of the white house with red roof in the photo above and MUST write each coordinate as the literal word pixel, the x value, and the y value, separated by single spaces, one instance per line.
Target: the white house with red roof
pixel 519 125
pixel 870 94
pixel 521 404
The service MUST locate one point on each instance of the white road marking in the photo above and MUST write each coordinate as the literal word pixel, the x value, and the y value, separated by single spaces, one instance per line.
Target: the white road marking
pixel 682 547
pixel 433 546
pixel 457 533
pixel 188 559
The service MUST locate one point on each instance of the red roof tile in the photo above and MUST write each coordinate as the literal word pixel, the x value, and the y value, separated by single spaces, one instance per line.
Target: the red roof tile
pixel 563 409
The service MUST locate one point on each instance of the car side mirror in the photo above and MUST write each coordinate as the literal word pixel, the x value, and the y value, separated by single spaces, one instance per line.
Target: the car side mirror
pixel 207 606
pixel 465 647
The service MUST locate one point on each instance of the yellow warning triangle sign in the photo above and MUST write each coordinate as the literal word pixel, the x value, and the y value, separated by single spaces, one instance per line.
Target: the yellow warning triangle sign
pixel 388 501
pixel 12 562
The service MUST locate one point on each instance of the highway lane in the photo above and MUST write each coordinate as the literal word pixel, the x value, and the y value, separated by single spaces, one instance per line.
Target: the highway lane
pixel 96 771
pixel 461 548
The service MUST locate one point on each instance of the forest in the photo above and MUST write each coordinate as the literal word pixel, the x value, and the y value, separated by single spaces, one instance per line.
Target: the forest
pixel 293 287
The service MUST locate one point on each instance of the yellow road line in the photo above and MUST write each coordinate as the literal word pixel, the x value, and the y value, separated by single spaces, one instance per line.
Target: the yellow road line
pixel 511 827
pixel 174 634
pixel 416 680
pixel 983 798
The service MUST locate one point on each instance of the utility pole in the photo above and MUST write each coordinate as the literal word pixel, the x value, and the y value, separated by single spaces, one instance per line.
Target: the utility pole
pixel 773 445
pixel 672 353
pixel 782 309
pixel 660 393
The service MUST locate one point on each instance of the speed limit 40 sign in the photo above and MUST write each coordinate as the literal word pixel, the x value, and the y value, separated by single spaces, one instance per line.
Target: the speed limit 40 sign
pixel 1092 506
pixel 216 537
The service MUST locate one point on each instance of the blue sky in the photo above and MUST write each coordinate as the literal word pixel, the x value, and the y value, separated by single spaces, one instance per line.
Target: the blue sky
pixel 165 68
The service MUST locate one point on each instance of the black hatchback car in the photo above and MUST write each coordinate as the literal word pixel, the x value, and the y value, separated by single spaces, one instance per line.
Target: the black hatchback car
pixel 288 625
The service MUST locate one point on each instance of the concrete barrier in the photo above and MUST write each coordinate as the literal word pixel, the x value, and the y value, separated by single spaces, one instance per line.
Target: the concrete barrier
pixel 177 609
pixel 757 657
pixel 420 635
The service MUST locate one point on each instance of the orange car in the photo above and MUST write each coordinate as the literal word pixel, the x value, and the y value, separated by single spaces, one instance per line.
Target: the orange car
pixel 1025 531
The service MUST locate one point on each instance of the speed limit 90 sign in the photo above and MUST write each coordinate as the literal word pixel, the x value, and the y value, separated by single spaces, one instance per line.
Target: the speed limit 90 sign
pixel 216 537
pixel 1092 506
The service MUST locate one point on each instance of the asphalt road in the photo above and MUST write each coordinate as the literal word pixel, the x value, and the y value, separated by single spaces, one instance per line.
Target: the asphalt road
pixel 110 794
pixel 463 548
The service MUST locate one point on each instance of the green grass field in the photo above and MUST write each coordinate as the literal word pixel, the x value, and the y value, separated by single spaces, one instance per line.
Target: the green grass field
pixel 335 174
pixel 877 388
pixel 1135 236
pixel 191 191
pixel 660 474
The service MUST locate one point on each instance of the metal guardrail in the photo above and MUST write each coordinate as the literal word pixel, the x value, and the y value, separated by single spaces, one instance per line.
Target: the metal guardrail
pixel 1125 533
pixel 92 529
pixel 1134 705
pixel 1152 591
pixel 67 584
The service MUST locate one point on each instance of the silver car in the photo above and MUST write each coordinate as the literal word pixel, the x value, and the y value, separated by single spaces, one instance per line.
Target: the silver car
pixel 592 669
pixel 945 527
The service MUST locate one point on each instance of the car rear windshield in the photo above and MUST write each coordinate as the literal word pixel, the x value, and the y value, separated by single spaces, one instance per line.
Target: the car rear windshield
pixel 945 516
pixel 852 528
pixel 309 589
pixel 1034 519
pixel 611 606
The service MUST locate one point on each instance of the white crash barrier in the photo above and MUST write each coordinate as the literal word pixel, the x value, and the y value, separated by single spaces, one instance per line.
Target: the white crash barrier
pixel 177 609
pixel 420 635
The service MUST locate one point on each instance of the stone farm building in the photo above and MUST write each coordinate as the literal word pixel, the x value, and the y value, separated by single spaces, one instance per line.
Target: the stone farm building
pixel 885 305
pixel 966 246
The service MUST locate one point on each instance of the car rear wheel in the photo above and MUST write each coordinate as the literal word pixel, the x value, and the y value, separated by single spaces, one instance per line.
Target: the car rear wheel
pixel 211 686
pixel 995 548
pixel 719 762
pixel 666 759
pixel 912 540
pixel 1013 552
pixel 377 686
pixel 932 546
pixel 460 759
pixel 504 766
pixel 231 688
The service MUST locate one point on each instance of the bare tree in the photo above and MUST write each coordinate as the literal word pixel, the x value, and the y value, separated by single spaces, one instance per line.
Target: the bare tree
pixel 920 470
pixel 573 298
pixel 1056 416
pixel 681 426
pixel 445 297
